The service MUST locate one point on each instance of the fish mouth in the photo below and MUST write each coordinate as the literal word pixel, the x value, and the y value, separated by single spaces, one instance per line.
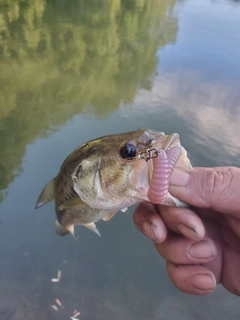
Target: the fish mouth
pixel 171 140
pixel 164 143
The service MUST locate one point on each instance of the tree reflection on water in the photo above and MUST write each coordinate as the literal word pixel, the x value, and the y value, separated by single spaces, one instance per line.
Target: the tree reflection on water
pixel 58 59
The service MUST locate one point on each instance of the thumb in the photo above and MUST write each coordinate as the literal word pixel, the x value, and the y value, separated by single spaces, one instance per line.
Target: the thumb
pixel 216 188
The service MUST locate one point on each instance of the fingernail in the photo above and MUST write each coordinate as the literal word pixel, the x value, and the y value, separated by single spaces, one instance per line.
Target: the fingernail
pixel 179 178
pixel 189 232
pixel 202 250
pixel 148 230
pixel 203 281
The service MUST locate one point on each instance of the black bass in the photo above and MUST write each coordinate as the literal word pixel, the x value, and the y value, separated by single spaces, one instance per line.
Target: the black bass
pixel 110 173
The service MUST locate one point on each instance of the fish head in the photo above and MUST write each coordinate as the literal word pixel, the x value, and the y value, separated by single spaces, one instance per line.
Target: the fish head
pixel 113 172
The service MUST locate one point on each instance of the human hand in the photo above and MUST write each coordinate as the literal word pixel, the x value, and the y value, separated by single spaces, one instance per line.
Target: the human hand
pixel 200 244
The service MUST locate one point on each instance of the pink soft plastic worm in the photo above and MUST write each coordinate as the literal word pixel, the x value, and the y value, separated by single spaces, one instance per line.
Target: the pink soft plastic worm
pixel 163 166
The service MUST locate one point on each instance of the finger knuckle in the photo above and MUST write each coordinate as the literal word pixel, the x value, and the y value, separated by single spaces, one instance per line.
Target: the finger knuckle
pixel 221 183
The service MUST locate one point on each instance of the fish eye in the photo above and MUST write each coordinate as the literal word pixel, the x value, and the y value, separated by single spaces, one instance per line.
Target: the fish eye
pixel 128 151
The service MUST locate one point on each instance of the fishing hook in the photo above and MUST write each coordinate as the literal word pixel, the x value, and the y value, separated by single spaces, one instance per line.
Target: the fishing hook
pixel 148 154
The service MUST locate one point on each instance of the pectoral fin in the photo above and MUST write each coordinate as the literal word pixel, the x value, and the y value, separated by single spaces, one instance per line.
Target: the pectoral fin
pixel 92 227
pixel 46 195
pixel 74 202
pixel 109 216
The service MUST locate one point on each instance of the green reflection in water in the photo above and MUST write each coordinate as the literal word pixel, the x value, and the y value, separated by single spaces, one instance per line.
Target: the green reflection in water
pixel 58 59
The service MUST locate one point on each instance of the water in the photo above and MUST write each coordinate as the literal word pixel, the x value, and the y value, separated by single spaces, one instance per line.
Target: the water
pixel 73 71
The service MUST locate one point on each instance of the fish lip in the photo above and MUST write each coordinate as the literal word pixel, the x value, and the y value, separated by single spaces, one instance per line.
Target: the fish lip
pixel 170 140
pixel 168 143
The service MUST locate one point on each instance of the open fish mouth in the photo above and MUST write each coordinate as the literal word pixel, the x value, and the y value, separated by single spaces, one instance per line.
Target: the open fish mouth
pixel 157 145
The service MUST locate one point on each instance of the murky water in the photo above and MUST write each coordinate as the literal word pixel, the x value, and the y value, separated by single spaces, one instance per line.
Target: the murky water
pixel 73 71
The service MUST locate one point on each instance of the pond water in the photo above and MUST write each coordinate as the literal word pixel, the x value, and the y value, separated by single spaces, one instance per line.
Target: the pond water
pixel 73 71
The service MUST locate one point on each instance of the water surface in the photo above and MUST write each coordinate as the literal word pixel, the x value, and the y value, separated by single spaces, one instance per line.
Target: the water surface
pixel 73 71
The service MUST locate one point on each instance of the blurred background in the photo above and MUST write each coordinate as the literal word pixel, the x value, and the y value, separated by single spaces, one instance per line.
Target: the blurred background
pixel 74 71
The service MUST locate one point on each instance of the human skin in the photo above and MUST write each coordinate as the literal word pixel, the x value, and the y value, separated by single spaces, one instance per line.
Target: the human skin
pixel 201 244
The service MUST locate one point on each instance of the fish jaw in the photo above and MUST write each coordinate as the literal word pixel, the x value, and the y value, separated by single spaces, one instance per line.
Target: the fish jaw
pixel 140 178
pixel 165 143
pixel 144 176
pixel 173 140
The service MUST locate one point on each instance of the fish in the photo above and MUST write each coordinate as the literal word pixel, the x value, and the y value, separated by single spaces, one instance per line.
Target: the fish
pixel 75 315
pixel 59 274
pixel 111 173
pixel 54 307
pixel 59 303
